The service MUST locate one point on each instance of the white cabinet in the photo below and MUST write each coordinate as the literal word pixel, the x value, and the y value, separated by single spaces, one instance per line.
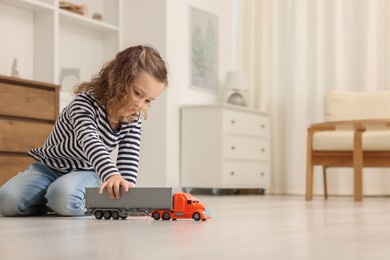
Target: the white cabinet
pixel 46 39
pixel 224 146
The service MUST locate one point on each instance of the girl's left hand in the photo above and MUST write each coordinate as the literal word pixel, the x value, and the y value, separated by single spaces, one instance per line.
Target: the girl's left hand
pixel 113 185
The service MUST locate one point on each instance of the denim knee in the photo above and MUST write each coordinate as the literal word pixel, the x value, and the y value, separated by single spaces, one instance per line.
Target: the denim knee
pixel 66 196
pixel 23 194
pixel 64 201
pixel 13 204
pixel 8 203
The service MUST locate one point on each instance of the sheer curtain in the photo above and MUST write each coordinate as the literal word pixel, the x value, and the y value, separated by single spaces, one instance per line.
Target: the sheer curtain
pixel 295 51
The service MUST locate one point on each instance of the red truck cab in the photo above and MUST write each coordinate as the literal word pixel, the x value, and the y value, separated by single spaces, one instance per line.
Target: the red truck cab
pixel 185 206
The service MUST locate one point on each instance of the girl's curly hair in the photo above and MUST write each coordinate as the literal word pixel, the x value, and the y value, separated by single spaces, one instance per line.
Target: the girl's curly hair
pixel 112 85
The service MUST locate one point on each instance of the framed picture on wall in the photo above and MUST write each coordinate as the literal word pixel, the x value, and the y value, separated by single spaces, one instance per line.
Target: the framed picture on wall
pixel 203 50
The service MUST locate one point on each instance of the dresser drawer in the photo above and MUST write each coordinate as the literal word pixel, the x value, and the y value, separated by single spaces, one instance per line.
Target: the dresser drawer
pixel 245 148
pixel 28 102
pixel 21 136
pixel 13 164
pixel 245 174
pixel 237 122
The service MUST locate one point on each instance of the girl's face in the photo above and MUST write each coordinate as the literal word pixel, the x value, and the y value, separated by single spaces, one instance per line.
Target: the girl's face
pixel 144 91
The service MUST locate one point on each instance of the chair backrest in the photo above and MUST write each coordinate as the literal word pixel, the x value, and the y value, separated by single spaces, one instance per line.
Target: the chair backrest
pixel 352 105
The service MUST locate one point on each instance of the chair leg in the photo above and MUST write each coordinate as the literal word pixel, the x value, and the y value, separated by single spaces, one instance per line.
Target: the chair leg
pixel 309 166
pixel 324 168
pixel 358 165
pixel 309 182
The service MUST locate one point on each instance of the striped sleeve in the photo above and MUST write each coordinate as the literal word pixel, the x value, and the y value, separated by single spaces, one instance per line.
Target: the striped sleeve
pixel 128 153
pixel 82 115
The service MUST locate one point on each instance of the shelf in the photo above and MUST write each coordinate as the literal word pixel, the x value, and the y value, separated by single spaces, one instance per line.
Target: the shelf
pixel 46 39
pixel 86 22
pixel 32 5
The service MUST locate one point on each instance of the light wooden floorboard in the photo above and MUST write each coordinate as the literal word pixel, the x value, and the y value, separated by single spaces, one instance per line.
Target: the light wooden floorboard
pixel 242 227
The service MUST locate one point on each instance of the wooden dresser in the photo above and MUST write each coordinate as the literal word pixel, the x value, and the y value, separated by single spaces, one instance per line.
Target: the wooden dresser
pixel 28 110
pixel 225 147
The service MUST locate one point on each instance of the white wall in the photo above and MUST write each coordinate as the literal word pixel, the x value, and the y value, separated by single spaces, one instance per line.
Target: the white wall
pixel 165 24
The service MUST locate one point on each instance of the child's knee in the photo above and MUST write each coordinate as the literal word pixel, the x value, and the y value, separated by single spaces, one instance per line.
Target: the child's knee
pixel 65 201
pixel 9 203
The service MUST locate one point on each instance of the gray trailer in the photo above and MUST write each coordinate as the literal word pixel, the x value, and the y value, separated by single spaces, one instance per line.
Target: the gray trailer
pixel 135 202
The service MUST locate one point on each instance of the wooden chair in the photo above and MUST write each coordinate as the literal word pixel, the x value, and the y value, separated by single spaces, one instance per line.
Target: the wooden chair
pixel 356 133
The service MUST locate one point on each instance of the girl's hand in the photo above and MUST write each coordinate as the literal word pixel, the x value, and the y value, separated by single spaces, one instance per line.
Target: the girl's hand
pixel 113 185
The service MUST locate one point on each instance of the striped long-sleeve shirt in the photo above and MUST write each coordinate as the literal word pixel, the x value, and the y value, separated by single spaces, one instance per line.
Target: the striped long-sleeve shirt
pixel 82 139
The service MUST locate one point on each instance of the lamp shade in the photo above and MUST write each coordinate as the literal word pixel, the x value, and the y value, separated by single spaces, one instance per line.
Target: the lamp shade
pixel 236 80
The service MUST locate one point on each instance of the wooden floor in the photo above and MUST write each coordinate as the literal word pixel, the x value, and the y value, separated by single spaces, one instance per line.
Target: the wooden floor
pixel 242 227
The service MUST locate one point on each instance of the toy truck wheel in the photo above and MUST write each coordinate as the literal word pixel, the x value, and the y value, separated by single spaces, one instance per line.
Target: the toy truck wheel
pixel 115 215
pixel 166 216
pixel 156 215
pixel 98 214
pixel 107 214
pixel 196 216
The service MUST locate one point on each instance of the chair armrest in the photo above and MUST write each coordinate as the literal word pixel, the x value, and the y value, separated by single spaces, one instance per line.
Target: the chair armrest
pixel 357 125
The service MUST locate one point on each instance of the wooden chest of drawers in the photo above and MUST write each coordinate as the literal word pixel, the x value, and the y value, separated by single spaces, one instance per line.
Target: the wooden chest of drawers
pixel 28 110
pixel 224 146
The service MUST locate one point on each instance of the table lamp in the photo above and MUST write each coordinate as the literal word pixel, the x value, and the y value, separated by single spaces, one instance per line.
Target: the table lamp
pixel 236 81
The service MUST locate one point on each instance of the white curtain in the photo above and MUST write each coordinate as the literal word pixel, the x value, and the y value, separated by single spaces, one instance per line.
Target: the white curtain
pixel 295 51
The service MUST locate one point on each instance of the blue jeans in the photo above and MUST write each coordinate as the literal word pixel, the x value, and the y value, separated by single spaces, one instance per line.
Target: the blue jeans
pixel 39 187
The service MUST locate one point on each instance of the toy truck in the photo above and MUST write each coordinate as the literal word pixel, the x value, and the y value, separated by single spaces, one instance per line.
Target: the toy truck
pixel 155 202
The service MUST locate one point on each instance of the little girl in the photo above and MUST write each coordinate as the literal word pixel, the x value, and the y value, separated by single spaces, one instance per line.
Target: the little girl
pixel 106 112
